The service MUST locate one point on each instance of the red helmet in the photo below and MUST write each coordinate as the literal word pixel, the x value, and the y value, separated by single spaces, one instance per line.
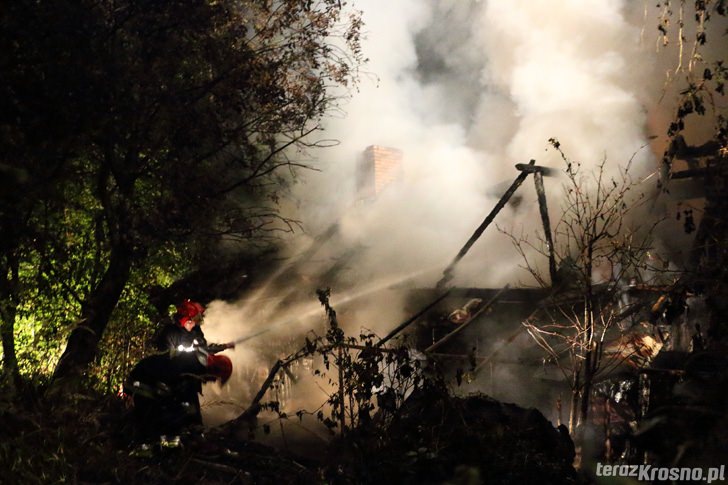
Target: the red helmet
pixel 189 310
pixel 219 366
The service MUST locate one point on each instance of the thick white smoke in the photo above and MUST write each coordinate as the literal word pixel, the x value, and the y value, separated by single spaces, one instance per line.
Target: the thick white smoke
pixel 466 90
pixel 573 70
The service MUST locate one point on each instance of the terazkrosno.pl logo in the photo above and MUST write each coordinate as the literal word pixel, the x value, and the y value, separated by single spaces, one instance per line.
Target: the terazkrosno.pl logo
pixel 649 473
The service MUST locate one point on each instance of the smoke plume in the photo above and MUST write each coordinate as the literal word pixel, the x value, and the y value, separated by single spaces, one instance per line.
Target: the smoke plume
pixel 466 90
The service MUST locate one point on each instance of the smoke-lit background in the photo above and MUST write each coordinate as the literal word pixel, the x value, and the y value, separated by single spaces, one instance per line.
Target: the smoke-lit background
pixel 465 89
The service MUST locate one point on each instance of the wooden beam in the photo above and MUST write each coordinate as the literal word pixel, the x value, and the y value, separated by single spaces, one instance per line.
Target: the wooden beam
pixel 447 273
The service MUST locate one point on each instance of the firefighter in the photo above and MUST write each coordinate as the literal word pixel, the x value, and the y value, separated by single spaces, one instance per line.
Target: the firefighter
pixel 185 344
pixel 164 388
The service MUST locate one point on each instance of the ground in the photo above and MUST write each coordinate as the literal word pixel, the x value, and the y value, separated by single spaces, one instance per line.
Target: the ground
pixel 436 439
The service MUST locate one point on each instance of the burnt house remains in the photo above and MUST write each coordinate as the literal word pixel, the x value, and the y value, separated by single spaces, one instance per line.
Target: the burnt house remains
pixel 658 352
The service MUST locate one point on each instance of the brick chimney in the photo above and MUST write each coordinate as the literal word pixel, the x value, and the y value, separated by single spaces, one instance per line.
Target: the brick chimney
pixel 377 168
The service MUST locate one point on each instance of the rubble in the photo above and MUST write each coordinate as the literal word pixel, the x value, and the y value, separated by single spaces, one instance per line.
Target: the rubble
pixel 437 437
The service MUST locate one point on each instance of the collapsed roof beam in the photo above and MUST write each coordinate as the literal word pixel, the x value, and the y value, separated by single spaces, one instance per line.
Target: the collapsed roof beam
pixel 543 209
pixel 526 169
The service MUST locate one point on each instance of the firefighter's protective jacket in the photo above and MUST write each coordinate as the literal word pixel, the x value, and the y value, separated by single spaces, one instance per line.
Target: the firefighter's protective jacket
pixel 178 340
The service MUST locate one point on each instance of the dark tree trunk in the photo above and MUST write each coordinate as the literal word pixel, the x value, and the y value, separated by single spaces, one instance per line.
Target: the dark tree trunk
pixel 8 310
pixel 83 342
pixel 588 367
pixel 574 406
pixel 589 357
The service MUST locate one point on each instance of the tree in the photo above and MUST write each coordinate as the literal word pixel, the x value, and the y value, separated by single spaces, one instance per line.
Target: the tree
pixel 594 233
pixel 42 119
pixel 186 116
pixel 698 80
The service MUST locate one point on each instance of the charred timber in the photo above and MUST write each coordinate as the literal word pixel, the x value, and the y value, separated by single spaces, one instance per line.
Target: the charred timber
pixel 690 173
pixel 544 210
pixel 531 168
pixel 447 274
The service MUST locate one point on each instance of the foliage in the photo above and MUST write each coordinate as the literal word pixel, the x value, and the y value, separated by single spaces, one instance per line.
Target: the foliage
pixel 698 77
pixel 139 138
pixel 130 331
pixel 368 383
pixel 370 378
